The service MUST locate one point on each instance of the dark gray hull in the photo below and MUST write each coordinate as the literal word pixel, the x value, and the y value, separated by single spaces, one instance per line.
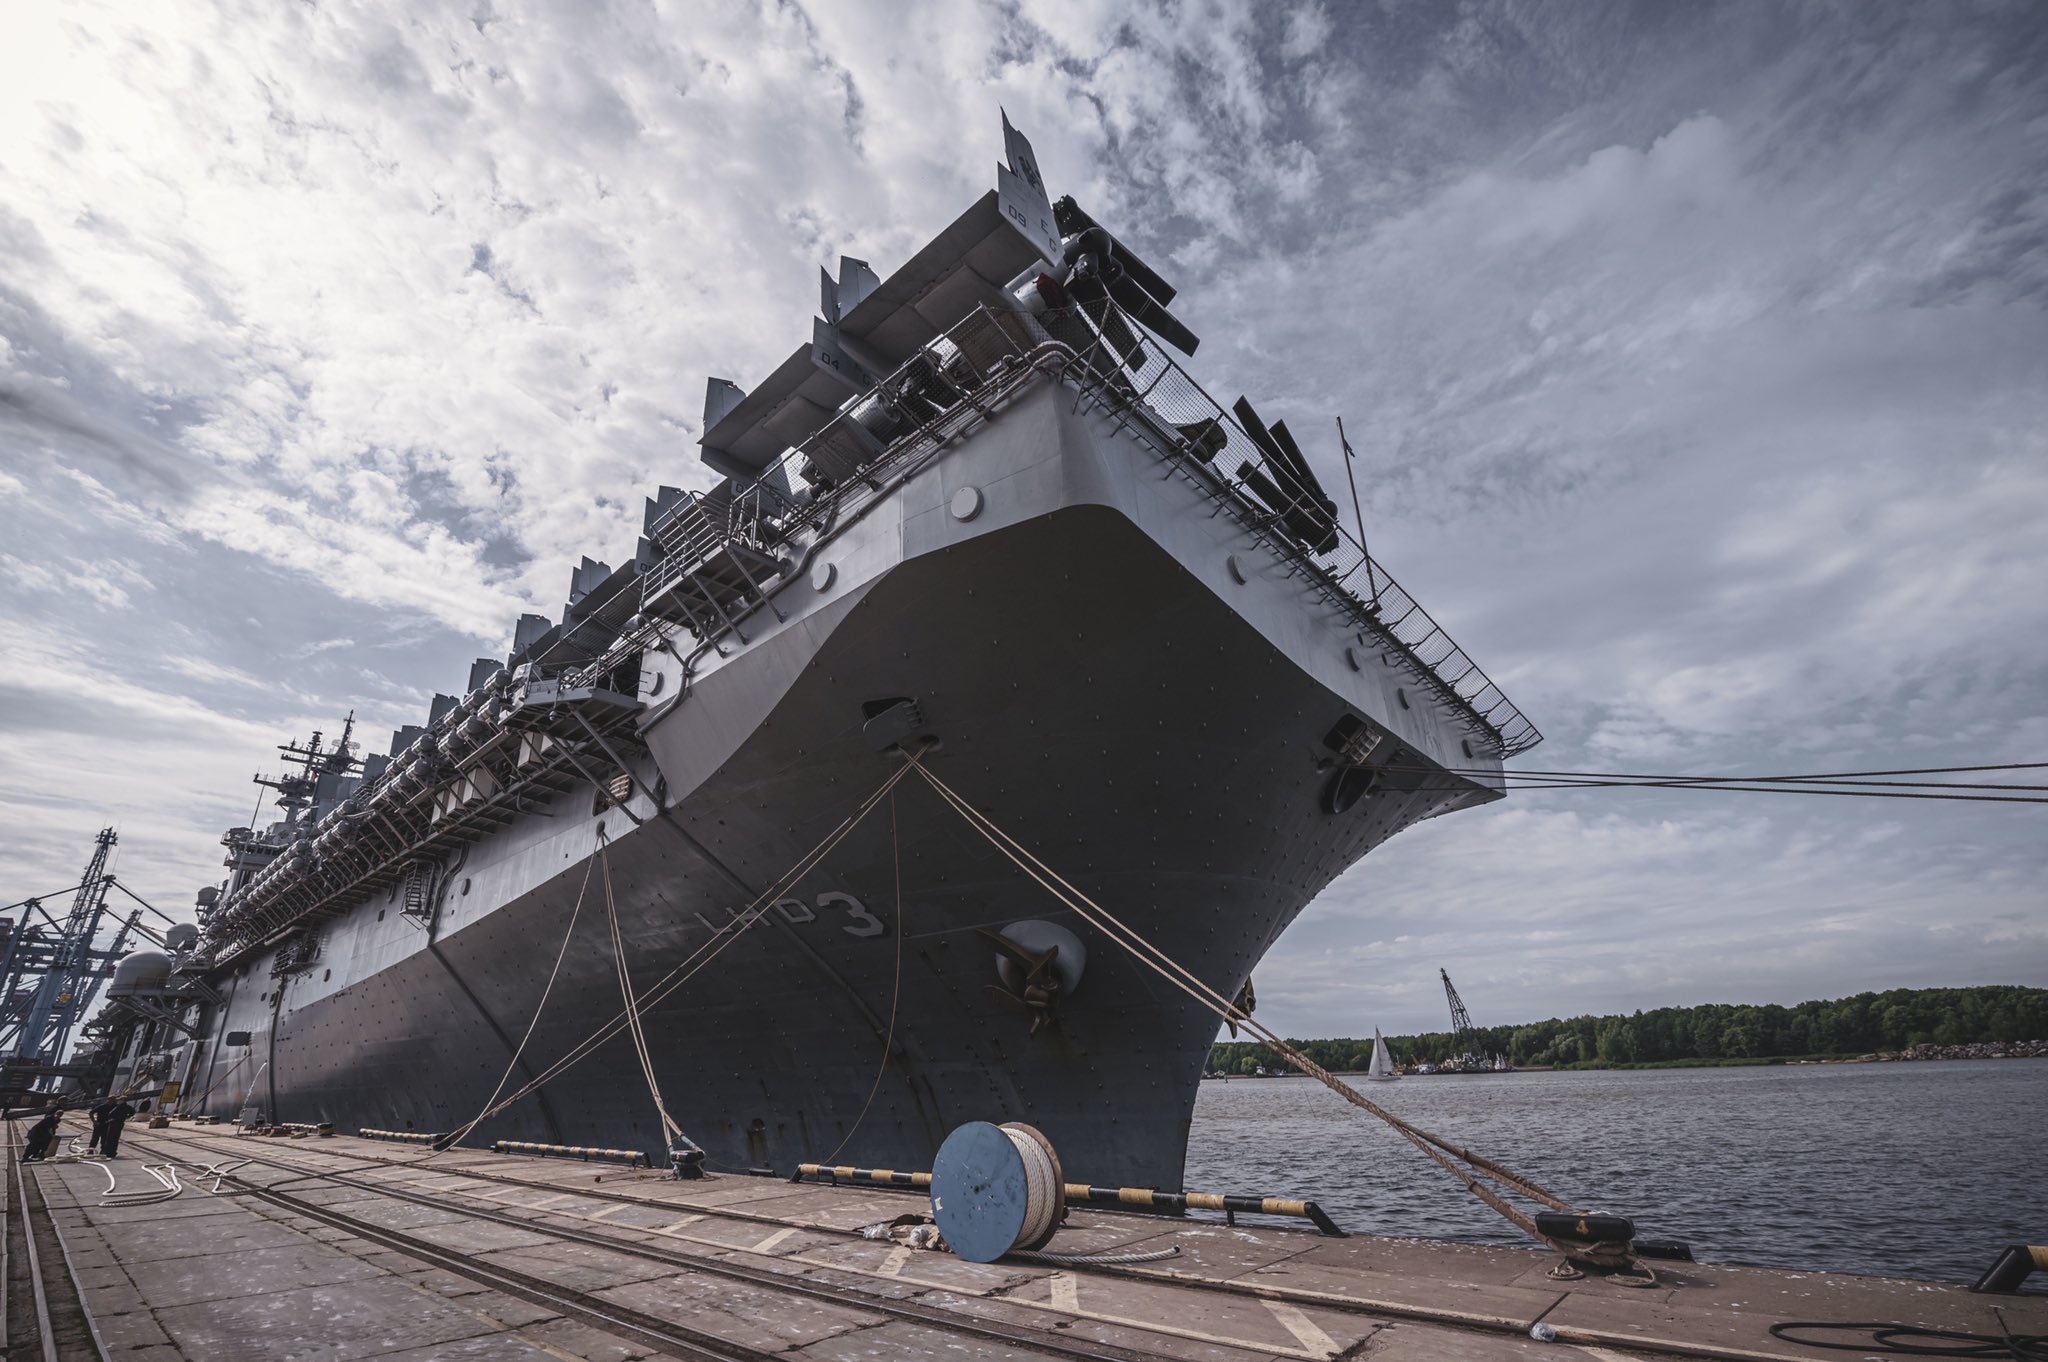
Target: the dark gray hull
pixel 1092 695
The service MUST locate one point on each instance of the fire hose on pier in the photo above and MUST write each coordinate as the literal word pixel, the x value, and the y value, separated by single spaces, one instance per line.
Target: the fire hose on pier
pixel 165 1175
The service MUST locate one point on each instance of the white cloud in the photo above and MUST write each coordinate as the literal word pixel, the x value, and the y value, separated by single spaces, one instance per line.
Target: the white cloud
pixel 27 576
pixel 1696 369
pixel 214 673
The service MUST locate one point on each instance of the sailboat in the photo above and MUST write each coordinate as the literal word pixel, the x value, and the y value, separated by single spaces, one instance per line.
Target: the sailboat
pixel 1382 1069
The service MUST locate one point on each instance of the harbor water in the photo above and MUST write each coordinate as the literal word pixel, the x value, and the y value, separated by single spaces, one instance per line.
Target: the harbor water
pixel 1916 1169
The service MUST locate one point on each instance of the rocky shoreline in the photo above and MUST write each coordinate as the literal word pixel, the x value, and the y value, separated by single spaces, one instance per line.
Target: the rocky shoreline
pixel 2018 1049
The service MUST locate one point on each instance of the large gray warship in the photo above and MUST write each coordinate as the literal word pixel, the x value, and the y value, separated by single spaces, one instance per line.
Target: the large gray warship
pixel 982 519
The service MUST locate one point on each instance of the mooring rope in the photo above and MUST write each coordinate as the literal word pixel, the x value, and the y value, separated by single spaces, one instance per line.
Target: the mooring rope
pixel 1183 979
pixel 1094 1259
pixel 718 941
pixel 895 991
pixel 1909 1340
pixel 670 1131
pixel 561 953
pixel 165 1175
pixel 219 1079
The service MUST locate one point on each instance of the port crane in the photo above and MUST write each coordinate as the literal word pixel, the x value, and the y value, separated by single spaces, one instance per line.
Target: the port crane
pixel 1465 1036
pixel 50 972
pixel 1461 1020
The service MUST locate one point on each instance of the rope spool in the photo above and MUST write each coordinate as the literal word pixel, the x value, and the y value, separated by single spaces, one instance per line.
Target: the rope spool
pixel 996 1188
pixel 1045 1165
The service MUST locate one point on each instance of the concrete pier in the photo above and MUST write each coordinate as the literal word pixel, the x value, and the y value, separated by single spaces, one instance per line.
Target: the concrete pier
pixel 339 1248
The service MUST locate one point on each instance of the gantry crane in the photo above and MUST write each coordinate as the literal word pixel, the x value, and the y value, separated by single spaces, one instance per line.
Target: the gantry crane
pixel 51 969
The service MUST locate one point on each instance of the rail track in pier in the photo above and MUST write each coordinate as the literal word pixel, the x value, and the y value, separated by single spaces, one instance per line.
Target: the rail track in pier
pixel 315 1176
pixel 42 1309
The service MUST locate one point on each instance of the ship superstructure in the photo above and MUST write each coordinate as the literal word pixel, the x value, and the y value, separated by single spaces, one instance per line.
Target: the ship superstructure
pixel 983 517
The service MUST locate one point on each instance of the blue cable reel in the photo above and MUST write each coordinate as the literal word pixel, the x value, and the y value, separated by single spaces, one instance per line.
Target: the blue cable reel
pixel 996 1189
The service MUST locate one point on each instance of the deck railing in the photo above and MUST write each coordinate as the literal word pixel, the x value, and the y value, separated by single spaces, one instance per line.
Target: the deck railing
pixel 961 378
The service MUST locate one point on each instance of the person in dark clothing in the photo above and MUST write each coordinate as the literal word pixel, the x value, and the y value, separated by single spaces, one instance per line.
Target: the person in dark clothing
pixel 99 1124
pixel 41 1136
pixel 117 1116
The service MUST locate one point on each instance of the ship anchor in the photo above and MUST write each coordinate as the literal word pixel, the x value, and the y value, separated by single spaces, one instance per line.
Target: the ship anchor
pixel 1039 964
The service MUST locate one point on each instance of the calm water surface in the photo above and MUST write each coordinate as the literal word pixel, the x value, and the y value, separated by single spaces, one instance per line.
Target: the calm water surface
pixel 1923 1169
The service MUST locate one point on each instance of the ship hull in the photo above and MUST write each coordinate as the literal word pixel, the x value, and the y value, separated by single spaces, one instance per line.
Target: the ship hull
pixel 1164 754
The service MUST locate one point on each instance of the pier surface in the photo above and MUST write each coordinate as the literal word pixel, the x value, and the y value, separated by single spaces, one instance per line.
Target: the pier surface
pixel 338 1248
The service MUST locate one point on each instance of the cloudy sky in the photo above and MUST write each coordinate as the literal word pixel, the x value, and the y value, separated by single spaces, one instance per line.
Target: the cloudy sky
pixel 1696 357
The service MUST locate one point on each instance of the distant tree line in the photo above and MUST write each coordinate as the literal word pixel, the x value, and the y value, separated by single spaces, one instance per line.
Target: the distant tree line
pixel 1709 1033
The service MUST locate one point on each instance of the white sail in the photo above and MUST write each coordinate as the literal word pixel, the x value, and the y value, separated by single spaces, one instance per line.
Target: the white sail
pixel 1382 1068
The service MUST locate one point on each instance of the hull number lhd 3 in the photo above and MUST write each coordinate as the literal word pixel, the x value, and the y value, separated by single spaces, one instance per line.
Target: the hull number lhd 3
pixel 858 921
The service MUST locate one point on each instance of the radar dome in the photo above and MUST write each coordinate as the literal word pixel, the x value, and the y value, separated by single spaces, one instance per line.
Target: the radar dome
pixel 141 972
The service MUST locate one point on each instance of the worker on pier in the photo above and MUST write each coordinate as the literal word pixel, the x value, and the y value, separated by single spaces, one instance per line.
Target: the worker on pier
pixel 41 1135
pixel 99 1124
pixel 117 1116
